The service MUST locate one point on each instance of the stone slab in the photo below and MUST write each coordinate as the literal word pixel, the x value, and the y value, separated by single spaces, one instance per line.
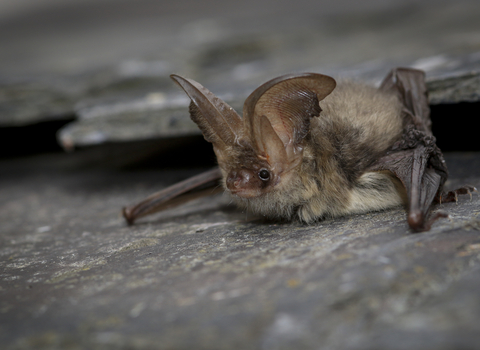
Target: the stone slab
pixel 207 276
pixel 119 64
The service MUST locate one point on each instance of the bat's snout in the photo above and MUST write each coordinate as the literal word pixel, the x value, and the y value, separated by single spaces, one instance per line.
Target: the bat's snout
pixel 243 183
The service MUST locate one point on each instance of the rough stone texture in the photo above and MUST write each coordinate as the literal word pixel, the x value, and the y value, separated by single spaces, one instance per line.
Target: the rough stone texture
pixel 164 113
pixel 23 103
pixel 456 88
pixel 208 276
pixel 205 275
pixel 115 83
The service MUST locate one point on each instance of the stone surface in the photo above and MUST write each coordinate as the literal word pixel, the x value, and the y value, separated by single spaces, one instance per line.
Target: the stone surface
pixel 114 75
pixel 28 102
pixel 157 113
pixel 207 276
pixel 456 88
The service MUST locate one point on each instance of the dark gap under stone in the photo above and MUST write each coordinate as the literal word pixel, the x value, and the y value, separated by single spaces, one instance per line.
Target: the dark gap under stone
pixel 455 126
pixel 17 141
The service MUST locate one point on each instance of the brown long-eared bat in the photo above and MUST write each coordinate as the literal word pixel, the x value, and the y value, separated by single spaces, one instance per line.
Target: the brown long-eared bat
pixel 308 148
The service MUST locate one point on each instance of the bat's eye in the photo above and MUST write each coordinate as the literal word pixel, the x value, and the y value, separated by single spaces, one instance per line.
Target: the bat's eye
pixel 264 174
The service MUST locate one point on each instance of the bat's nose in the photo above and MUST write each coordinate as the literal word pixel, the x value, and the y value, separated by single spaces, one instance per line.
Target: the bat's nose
pixel 238 179
pixel 243 183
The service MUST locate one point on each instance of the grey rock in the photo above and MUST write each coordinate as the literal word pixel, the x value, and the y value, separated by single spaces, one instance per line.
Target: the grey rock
pixel 126 121
pixel 164 113
pixel 205 275
pixel 29 102
pixel 231 53
pixel 456 88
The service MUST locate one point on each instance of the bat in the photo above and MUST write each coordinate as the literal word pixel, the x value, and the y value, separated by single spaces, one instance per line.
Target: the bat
pixel 308 148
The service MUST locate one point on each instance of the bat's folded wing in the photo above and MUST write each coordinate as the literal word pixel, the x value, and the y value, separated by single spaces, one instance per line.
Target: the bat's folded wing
pixel 415 159
pixel 174 195
pixel 421 182
pixel 409 85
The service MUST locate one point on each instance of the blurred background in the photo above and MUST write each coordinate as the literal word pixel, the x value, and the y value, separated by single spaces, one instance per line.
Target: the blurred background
pixel 85 73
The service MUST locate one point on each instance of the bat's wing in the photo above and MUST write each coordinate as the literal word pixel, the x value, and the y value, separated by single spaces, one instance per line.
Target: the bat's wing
pixel 409 85
pixel 422 182
pixel 415 159
pixel 174 195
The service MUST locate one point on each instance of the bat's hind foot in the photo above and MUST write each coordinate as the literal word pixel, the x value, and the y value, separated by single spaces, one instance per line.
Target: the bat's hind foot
pixel 452 196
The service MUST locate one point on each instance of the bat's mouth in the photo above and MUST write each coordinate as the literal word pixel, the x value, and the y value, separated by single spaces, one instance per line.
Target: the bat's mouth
pixel 244 193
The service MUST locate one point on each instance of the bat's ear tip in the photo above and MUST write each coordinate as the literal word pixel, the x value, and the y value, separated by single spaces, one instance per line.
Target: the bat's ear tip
pixel 176 78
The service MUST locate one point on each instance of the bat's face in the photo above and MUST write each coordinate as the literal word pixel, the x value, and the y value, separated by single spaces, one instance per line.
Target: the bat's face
pixel 248 174
pixel 259 184
pixel 259 153
pixel 251 181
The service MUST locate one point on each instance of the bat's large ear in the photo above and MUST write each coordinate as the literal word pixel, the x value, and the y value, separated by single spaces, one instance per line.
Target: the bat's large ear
pixel 277 114
pixel 219 122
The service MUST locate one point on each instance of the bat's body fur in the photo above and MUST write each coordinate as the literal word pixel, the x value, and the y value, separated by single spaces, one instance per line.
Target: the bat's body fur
pixel 356 126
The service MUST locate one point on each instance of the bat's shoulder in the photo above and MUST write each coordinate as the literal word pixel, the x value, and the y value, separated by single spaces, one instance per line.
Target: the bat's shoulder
pixel 357 122
pixel 357 102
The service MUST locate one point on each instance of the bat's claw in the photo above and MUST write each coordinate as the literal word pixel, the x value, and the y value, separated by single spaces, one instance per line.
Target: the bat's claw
pixel 474 189
pixel 452 196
